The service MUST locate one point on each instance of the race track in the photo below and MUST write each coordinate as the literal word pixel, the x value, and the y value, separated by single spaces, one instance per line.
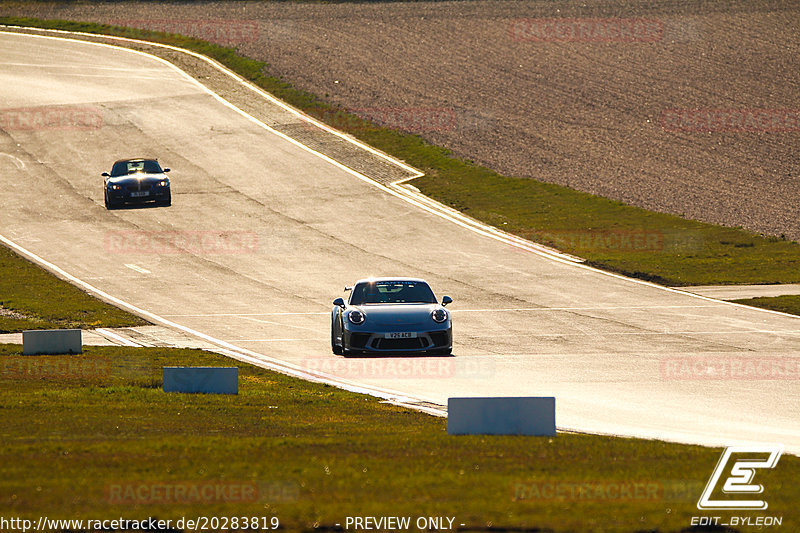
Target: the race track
pixel 620 356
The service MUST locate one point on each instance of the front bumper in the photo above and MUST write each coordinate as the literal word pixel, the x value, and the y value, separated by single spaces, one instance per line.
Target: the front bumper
pixel 155 194
pixel 377 342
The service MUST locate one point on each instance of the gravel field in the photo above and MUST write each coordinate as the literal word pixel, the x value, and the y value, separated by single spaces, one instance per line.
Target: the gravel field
pixel 503 84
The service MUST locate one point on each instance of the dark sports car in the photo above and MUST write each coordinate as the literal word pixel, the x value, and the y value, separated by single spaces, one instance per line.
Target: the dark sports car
pixel 136 181
pixel 391 315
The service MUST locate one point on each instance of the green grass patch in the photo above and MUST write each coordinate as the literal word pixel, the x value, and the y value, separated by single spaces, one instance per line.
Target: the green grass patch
pixel 618 237
pixel 40 300
pixel 611 235
pixel 787 303
pixel 93 436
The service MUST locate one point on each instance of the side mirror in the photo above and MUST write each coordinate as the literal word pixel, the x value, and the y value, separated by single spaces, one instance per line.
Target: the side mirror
pixel 446 300
pixel 339 302
pixel 105 174
pixel 166 170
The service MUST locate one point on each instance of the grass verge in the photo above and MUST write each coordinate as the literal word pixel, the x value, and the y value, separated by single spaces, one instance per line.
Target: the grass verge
pixel 35 299
pixel 787 303
pixel 611 235
pixel 93 436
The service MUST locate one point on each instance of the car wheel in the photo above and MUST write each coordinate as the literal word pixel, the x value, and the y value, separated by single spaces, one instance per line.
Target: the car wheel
pixel 109 205
pixel 349 352
pixel 335 348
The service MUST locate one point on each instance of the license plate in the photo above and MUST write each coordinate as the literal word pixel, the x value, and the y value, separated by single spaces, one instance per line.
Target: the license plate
pixel 137 194
pixel 400 335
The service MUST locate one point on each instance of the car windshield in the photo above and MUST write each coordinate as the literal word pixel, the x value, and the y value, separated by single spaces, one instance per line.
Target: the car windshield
pixel 392 292
pixel 146 166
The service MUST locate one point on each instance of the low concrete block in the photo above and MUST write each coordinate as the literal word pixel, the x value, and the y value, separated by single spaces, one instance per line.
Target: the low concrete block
pixel 201 379
pixel 501 416
pixel 51 341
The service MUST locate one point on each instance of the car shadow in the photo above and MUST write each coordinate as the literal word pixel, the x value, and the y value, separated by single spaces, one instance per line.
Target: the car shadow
pixel 390 355
pixel 128 207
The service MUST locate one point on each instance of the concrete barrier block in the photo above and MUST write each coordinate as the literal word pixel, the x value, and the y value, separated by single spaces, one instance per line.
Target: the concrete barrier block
pixel 201 379
pixel 501 416
pixel 51 341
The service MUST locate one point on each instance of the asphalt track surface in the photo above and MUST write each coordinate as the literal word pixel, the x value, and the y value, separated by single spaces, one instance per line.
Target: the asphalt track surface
pixel 620 356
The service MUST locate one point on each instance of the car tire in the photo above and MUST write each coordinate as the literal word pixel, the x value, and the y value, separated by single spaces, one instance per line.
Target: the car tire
pixel 109 205
pixel 349 352
pixel 335 348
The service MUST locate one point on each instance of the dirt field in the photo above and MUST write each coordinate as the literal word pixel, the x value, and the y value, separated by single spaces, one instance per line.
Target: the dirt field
pixel 684 107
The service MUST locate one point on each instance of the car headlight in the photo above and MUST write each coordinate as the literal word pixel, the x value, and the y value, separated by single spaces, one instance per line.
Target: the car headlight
pixel 114 187
pixel 439 315
pixel 163 183
pixel 356 317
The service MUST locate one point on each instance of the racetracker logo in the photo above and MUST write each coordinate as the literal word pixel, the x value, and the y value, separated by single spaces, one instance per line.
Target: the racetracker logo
pixel 594 491
pixel 202 492
pixel 226 32
pixel 578 30
pixel 730 368
pixel 57 368
pixel 604 240
pixel 415 368
pixel 58 118
pixel 178 242
pixel 731 120
pixel 411 119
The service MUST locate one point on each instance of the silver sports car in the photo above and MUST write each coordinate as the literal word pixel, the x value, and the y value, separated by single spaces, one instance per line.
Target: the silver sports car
pixel 391 315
